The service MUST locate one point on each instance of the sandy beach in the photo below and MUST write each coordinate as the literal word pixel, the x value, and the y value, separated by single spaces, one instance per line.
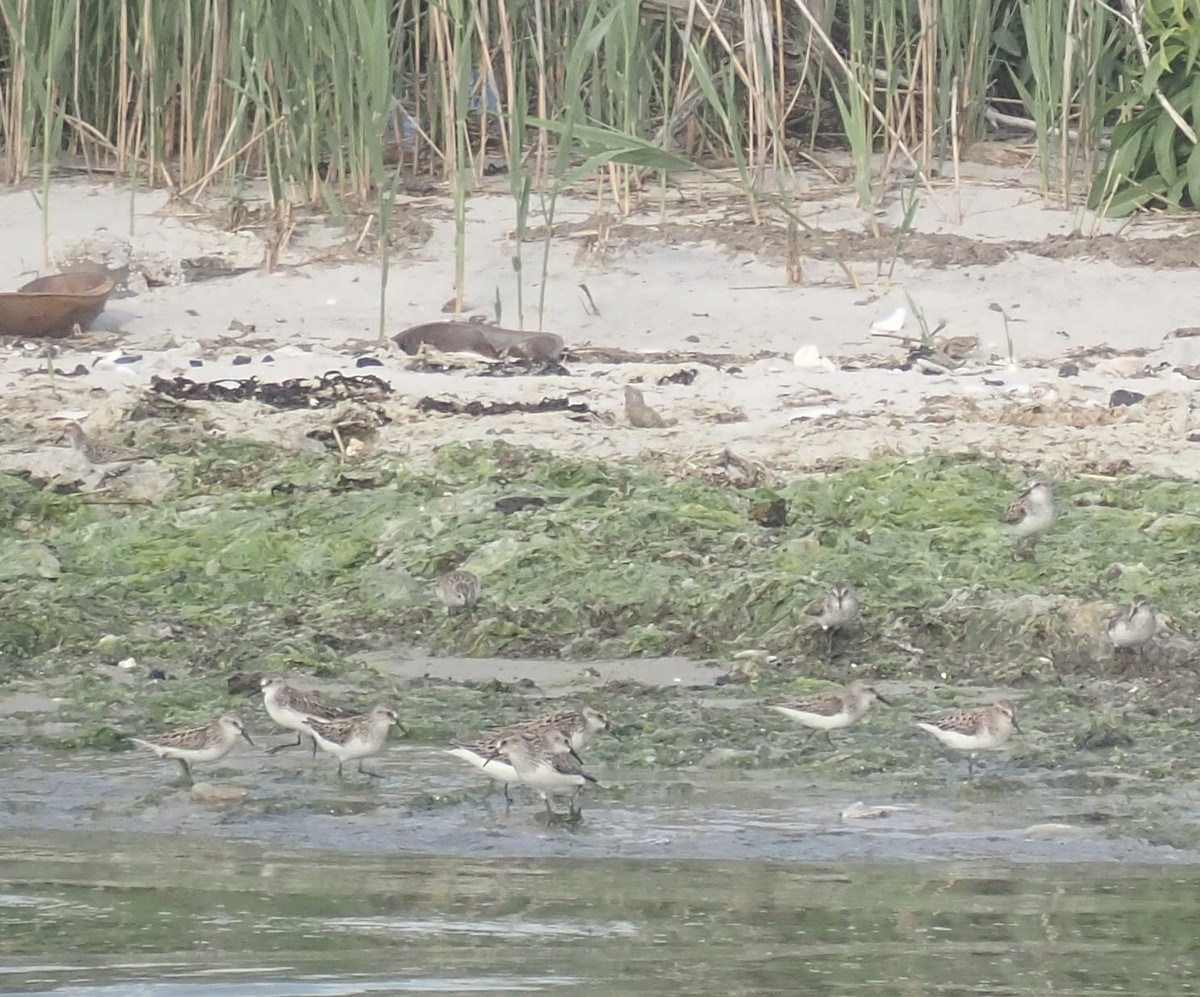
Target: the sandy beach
pixel 1048 313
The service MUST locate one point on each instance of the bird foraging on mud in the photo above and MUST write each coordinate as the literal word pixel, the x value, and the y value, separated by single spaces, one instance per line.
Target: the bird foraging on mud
pixel 355 737
pixel 1134 629
pixel 1029 517
pixel 829 711
pixel 202 743
pixel 100 452
pixel 984 728
pixel 459 590
pixel 545 762
pixel 579 726
pixel 641 415
pixel 835 610
pixel 293 709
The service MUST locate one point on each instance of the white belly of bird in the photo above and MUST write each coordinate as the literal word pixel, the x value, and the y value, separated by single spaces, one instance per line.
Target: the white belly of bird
pixel 818 720
pixel 983 741
pixel 1038 521
pixel 355 747
pixel 1122 635
pixel 286 717
pixel 209 754
pixel 497 769
pixel 545 778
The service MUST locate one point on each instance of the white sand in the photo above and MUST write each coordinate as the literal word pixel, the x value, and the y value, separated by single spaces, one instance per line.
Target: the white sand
pixel 655 291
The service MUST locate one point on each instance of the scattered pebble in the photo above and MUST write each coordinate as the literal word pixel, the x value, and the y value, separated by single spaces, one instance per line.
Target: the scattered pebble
pixel 808 357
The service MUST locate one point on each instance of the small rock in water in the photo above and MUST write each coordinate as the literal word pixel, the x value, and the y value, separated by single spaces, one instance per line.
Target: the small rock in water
pixel 1049 830
pixel 207 792
pixel 860 811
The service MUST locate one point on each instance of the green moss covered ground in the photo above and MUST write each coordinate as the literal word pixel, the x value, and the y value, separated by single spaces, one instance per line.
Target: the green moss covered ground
pixel 260 561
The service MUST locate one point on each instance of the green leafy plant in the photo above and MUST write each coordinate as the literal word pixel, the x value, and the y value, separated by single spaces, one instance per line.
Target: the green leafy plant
pixel 1154 157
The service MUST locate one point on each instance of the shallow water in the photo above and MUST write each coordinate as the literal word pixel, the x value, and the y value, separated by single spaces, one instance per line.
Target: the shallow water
pixel 94 915
pixel 433 804
pixel 115 882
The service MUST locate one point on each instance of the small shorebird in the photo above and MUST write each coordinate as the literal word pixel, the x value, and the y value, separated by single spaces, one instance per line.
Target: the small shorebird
pixel 835 610
pixel 984 728
pixel 201 743
pixel 829 711
pixel 641 415
pixel 546 763
pixel 579 726
pixel 459 590
pixel 100 452
pixel 293 709
pixel 1029 517
pixel 355 737
pixel 1135 628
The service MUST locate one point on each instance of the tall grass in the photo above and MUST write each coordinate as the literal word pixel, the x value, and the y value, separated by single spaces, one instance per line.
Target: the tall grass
pixel 201 92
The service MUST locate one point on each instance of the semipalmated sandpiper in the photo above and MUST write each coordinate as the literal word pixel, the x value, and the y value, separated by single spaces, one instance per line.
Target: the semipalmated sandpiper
pixel 100 452
pixel 579 726
pixel 293 709
pixel 459 590
pixel 202 743
pixel 641 415
pixel 1135 628
pixel 984 728
pixel 1029 516
pixel 835 610
pixel 546 763
pixel 355 737
pixel 829 711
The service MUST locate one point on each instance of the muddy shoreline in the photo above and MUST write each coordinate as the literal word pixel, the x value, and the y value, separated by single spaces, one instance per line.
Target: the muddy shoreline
pixel 622 566
pixel 429 805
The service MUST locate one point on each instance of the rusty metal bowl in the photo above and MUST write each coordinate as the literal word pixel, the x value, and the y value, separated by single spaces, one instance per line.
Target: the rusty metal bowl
pixel 52 306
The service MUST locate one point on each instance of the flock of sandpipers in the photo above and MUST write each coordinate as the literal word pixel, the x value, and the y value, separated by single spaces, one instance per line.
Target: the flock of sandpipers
pixel 543 752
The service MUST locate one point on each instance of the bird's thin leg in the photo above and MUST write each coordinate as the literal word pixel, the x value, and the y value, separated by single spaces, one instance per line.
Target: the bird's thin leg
pixel 507 796
pixel 187 770
pixel 970 766
pixel 339 770
pixel 291 744
pixel 829 739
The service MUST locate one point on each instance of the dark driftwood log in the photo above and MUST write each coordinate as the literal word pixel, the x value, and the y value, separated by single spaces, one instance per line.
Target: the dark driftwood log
pixel 478 337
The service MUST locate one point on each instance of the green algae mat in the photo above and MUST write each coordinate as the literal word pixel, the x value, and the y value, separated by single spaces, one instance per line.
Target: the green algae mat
pixel 260 561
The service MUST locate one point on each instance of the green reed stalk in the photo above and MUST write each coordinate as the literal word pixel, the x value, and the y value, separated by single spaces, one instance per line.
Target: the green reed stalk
pixel 520 183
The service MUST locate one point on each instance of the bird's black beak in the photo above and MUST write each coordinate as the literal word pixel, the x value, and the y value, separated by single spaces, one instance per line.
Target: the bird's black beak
pixel 886 702
pixel 1017 727
pixel 247 737
pixel 575 755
